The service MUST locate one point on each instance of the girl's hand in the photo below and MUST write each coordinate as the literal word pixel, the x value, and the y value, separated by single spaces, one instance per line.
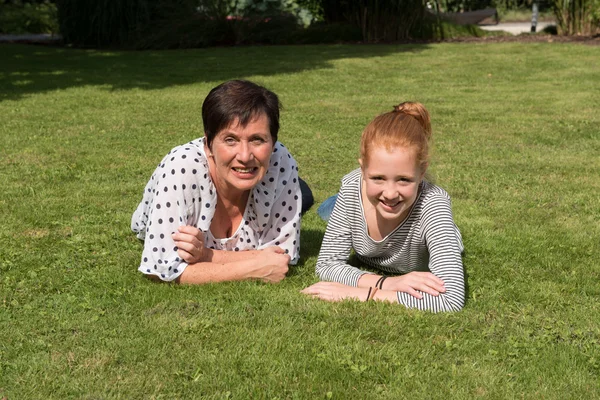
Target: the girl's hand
pixel 190 244
pixel 425 282
pixel 333 291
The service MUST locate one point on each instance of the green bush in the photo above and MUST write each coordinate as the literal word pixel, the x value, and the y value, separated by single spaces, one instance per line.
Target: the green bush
pixel 102 23
pixel 577 17
pixel 378 20
pixel 321 32
pixel 18 17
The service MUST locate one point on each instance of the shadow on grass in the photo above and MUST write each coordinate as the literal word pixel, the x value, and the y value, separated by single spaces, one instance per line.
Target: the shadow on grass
pixel 310 244
pixel 28 69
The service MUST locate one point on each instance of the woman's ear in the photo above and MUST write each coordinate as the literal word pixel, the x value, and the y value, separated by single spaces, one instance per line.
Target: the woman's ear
pixel 207 150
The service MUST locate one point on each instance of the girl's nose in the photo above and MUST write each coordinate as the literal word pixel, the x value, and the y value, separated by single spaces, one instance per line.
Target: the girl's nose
pixel 390 192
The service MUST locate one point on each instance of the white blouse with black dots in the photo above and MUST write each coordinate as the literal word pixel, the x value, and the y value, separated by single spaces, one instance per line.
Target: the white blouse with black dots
pixel 180 192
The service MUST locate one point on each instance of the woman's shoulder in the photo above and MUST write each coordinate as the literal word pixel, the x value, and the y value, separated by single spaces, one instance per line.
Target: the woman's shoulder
pixel 282 158
pixel 189 152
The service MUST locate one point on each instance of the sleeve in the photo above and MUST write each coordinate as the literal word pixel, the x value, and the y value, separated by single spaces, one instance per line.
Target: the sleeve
pixel 444 245
pixel 337 244
pixel 174 200
pixel 283 228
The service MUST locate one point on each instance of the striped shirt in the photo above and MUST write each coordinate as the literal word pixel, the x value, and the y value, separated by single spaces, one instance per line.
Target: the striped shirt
pixel 427 240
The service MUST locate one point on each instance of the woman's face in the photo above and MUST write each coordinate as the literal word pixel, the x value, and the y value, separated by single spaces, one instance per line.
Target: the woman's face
pixel 240 155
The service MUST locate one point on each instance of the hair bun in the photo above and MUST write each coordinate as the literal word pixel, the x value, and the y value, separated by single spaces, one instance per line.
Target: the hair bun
pixel 417 111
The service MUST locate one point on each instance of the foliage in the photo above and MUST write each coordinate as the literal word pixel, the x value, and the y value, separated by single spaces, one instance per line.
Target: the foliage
pixel 577 17
pixel 516 147
pixel 378 20
pixel 101 23
pixel 18 17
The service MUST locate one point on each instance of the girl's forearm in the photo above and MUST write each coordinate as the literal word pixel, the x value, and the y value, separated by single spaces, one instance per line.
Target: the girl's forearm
pixel 368 280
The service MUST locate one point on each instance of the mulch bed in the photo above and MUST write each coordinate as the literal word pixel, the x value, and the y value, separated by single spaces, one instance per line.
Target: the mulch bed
pixel 528 38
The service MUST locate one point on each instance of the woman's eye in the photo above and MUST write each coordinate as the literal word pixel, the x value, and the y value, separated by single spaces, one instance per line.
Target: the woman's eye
pixel 229 140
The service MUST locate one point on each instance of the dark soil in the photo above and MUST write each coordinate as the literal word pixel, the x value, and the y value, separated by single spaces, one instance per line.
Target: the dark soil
pixel 528 38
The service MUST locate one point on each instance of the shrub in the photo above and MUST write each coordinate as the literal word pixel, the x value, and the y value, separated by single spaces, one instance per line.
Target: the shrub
pixel 378 20
pixel 101 23
pixel 18 17
pixel 577 17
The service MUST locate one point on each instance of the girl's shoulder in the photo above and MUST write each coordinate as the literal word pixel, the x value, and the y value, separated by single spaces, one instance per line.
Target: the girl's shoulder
pixel 352 178
pixel 432 200
pixel 432 191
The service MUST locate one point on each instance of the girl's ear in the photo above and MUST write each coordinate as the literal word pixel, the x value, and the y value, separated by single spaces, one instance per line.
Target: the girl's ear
pixel 424 166
pixel 360 161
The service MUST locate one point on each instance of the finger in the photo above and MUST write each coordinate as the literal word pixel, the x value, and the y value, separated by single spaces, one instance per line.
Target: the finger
pixel 189 247
pixel 414 293
pixel 187 257
pixel 184 237
pixel 190 230
pixel 430 276
pixel 435 285
pixel 277 249
pixel 308 290
pixel 428 289
pixel 312 289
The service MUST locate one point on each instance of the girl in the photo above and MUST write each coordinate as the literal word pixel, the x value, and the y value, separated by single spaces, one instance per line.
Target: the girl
pixel 395 221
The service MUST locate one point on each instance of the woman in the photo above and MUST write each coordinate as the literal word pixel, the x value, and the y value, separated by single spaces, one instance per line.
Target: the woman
pixel 237 190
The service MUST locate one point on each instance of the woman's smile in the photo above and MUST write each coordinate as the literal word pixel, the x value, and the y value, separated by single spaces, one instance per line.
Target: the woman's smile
pixel 239 155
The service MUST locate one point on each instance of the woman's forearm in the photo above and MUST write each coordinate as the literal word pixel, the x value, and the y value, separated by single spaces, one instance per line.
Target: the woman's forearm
pixel 265 265
pixel 225 256
pixel 205 272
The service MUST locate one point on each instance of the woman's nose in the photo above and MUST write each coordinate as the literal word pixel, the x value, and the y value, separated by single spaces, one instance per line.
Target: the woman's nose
pixel 245 153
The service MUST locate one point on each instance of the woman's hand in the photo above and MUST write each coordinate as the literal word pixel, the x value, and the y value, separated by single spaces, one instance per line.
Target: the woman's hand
pixel 333 291
pixel 272 264
pixel 190 244
pixel 425 282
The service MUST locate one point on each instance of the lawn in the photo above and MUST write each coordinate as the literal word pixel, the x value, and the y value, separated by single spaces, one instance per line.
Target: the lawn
pixel 517 146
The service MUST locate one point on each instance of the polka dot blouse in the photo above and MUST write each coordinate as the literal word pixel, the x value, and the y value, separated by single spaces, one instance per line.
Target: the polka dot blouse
pixel 180 192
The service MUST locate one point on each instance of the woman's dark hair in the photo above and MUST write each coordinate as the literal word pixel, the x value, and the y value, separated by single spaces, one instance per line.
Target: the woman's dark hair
pixel 239 99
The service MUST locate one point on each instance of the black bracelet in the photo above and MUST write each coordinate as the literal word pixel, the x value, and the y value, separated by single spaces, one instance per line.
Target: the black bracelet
pixel 369 294
pixel 380 282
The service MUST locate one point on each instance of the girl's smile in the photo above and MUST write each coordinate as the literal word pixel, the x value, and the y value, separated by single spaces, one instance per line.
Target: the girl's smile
pixel 391 181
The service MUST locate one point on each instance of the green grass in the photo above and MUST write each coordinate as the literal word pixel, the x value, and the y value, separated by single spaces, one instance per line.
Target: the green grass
pixel 516 146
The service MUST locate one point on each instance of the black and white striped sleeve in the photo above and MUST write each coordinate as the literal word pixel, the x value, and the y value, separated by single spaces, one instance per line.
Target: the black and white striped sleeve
pixel 444 245
pixel 337 244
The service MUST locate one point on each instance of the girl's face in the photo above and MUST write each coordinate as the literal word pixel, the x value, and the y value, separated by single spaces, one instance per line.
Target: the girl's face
pixel 240 155
pixel 391 181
